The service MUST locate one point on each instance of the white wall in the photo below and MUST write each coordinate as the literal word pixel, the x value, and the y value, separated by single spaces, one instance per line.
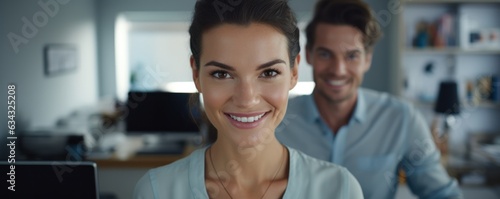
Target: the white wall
pixel 161 52
pixel 107 12
pixel 41 100
pixel 382 74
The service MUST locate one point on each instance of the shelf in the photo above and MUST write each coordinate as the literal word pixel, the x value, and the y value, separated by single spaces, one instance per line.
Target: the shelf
pixel 487 104
pixel 452 51
pixel 449 1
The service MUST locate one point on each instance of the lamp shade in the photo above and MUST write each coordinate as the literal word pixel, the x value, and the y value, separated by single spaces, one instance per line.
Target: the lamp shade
pixel 447 101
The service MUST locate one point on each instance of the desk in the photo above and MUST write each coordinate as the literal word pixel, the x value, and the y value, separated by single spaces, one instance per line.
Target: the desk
pixel 140 161
pixel 458 167
pixel 119 176
pixel 404 192
pixel 143 161
pixel 125 152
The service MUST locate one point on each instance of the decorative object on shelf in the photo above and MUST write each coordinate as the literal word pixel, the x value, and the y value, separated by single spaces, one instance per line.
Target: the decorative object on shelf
pixel 60 58
pixel 484 86
pixel 495 89
pixel 469 90
pixel 446 31
pixel 438 34
pixel 487 38
pixel 474 34
pixel 424 95
pixel 422 37
pixel 483 91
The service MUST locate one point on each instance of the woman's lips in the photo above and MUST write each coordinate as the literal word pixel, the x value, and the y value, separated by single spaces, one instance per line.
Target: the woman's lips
pixel 246 121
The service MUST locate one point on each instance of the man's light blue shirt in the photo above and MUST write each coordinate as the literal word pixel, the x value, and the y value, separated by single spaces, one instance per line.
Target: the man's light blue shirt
pixel 383 135
pixel 307 178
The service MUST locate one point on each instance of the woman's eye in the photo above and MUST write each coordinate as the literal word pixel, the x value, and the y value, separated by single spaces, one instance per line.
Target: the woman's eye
pixel 221 75
pixel 270 73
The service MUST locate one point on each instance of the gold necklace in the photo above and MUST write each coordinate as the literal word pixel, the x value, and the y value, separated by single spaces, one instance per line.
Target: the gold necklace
pixel 218 177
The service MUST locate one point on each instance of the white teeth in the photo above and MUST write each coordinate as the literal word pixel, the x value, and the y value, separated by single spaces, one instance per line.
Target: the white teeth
pixel 337 82
pixel 247 119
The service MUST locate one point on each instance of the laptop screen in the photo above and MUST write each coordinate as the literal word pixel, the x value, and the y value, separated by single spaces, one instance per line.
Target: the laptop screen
pixel 44 179
pixel 160 112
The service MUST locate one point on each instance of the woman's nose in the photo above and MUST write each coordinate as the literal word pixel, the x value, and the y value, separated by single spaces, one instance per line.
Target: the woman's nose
pixel 246 94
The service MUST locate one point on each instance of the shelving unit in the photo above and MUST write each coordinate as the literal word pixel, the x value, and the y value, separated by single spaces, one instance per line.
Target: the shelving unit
pixel 422 67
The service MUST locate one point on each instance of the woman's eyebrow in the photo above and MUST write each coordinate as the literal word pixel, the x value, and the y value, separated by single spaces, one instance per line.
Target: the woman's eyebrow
pixel 230 68
pixel 220 65
pixel 271 63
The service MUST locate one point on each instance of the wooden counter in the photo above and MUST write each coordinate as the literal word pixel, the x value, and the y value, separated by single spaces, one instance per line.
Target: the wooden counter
pixel 140 161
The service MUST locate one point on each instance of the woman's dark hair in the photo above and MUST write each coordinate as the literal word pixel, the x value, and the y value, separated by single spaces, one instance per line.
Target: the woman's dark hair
pixel 208 130
pixel 209 14
pixel 354 13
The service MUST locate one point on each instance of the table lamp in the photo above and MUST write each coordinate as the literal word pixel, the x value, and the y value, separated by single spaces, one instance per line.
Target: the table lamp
pixel 447 104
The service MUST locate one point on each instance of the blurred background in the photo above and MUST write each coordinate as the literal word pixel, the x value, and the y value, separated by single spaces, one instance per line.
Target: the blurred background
pixel 83 68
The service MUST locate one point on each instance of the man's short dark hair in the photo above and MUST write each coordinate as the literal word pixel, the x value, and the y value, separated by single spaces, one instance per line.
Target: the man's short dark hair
pixel 354 13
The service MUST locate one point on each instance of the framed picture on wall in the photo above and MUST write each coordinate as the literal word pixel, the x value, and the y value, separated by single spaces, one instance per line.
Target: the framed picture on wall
pixel 60 58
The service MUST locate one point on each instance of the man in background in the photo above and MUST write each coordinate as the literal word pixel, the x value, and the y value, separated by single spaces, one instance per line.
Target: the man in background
pixel 370 133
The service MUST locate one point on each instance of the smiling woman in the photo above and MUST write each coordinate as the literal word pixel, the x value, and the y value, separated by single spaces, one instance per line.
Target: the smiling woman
pixel 244 62
pixel 245 74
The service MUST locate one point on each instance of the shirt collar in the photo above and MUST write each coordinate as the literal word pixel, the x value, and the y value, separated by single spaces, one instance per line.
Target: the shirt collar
pixel 311 110
pixel 360 109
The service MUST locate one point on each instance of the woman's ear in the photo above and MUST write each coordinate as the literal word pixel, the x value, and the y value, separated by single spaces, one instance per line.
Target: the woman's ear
pixel 196 73
pixel 295 72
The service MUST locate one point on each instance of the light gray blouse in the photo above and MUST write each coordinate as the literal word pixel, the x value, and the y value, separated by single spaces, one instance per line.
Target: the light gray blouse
pixel 308 178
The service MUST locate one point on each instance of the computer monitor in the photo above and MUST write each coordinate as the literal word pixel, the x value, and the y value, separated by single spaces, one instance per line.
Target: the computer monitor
pixel 157 112
pixel 49 179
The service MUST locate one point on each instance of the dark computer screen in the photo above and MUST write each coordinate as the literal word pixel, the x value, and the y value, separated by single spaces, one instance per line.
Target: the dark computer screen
pixel 54 179
pixel 160 112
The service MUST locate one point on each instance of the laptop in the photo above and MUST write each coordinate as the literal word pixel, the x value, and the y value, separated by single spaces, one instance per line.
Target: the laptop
pixel 49 179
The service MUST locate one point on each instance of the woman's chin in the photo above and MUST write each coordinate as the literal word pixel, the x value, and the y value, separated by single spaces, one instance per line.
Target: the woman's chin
pixel 258 138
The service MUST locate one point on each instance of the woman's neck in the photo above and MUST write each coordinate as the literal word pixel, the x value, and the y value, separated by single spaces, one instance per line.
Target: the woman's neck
pixel 249 165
